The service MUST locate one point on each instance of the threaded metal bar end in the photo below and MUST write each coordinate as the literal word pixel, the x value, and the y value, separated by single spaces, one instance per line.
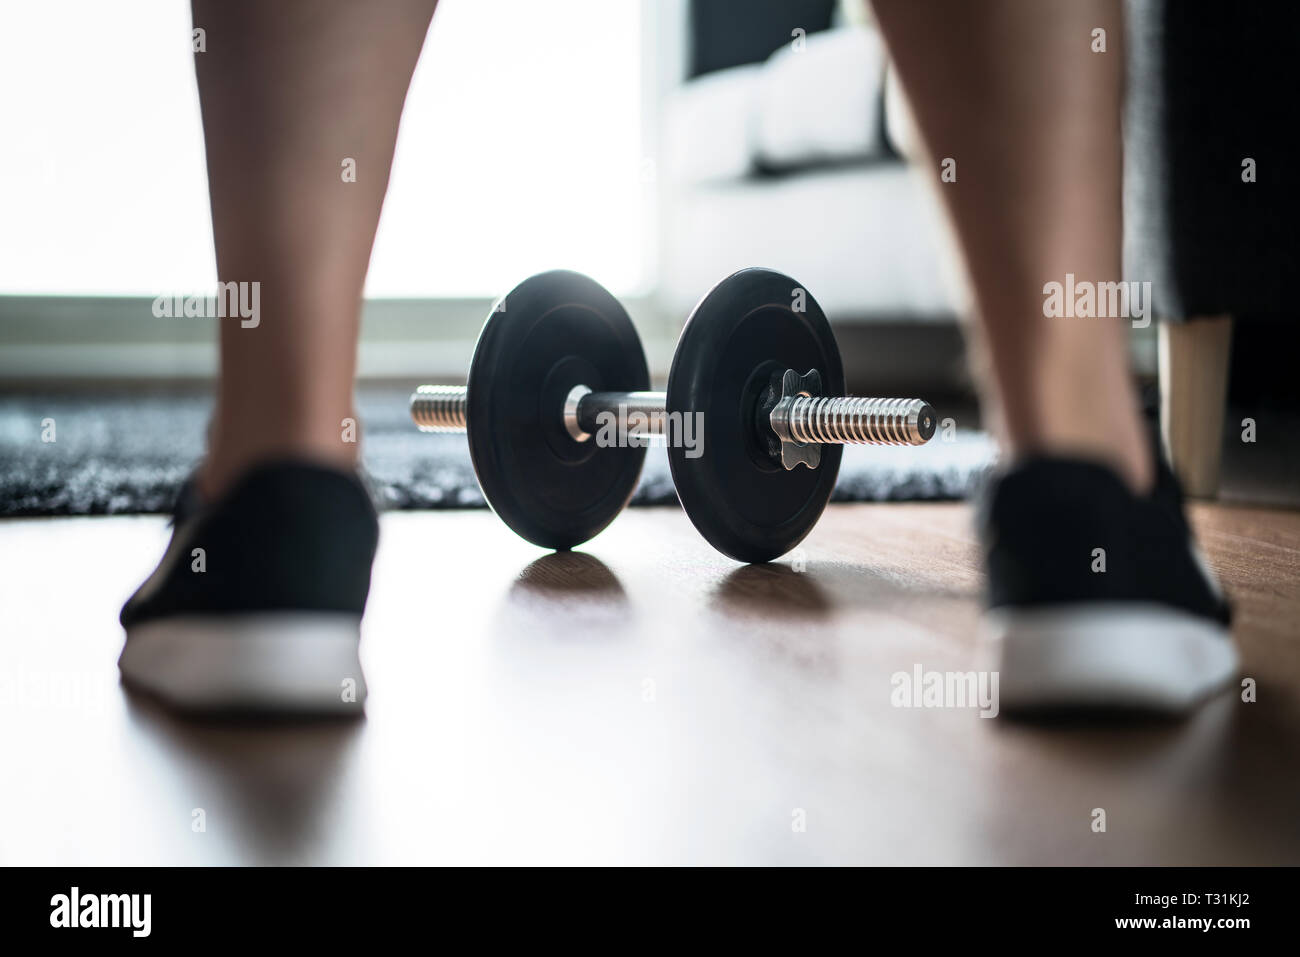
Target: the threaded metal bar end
pixel 439 408
pixel 850 420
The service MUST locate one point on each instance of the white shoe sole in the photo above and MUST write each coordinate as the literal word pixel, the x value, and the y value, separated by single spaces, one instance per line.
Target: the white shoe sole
pixel 1121 655
pixel 284 662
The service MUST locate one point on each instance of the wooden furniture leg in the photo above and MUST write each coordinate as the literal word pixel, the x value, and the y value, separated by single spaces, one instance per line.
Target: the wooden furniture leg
pixel 1193 395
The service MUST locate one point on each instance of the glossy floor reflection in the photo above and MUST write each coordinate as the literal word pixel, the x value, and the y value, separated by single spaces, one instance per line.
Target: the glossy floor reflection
pixel 645 701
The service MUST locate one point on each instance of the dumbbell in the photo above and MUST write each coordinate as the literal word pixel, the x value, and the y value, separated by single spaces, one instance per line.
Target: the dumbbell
pixel 757 372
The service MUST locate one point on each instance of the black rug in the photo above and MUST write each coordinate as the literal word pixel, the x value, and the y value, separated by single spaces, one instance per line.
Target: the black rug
pixel 123 453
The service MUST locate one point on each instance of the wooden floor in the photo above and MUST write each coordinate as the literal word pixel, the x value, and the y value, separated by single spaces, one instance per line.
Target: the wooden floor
pixel 647 701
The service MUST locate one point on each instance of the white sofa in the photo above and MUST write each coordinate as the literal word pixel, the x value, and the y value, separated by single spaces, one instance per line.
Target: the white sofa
pixel 794 163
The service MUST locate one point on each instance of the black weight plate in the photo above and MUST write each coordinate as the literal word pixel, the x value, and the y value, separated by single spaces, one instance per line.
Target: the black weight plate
pixel 552 332
pixel 747 326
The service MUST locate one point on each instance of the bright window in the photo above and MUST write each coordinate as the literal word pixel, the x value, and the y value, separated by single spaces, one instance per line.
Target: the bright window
pixel 521 149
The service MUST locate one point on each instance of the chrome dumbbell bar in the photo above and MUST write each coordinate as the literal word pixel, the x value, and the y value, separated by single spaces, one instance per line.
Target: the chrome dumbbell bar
pixel 801 422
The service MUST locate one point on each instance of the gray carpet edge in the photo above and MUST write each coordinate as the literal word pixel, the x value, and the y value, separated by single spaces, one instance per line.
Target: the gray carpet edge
pixel 118 454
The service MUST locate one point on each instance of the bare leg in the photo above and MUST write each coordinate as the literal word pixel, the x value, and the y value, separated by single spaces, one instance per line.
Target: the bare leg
pixel 290 90
pixel 1012 91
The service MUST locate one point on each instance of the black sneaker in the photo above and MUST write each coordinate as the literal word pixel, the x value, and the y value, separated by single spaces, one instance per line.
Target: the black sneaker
pixel 257 602
pixel 1098 598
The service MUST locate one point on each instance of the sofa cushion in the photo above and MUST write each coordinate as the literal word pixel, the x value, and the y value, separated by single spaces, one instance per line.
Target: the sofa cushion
pixel 868 240
pixel 708 127
pixel 821 102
